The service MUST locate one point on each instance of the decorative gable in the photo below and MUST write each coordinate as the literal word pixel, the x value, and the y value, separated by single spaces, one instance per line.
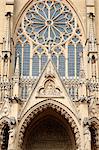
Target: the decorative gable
pixel 49 87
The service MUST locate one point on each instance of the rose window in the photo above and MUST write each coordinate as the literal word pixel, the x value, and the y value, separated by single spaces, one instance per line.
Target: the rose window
pixel 49 21
pixel 49 27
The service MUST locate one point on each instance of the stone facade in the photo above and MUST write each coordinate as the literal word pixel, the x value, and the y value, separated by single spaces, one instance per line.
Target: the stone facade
pixel 49 111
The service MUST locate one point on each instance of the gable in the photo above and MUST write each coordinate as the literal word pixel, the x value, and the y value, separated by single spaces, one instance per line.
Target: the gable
pixel 49 86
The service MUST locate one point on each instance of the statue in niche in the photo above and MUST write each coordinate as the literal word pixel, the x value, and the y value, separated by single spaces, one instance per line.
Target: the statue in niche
pixel 12 133
pixel 93 61
pixel 87 134
pixel 5 64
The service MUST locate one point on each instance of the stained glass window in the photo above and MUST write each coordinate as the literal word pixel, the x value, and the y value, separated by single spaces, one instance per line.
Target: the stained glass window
pixel 26 60
pixel 79 48
pixel 49 26
pixel 35 65
pixel 43 60
pixel 48 20
pixel 61 65
pixel 54 59
pixel 19 51
pixel 24 93
pixel 71 60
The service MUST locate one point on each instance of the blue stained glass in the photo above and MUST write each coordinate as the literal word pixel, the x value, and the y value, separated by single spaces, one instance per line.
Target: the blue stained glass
pixel 43 60
pixel 57 49
pixel 78 31
pixel 40 49
pixel 26 60
pixel 71 60
pixel 49 2
pixel 29 29
pixel 23 38
pixel 72 92
pixel 52 24
pixel 24 93
pixel 19 51
pixel 79 49
pixel 54 59
pixel 46 11
pixel 35 65
pixel 49 19
pixel 69 16
pixel 75 39
pixel 61 65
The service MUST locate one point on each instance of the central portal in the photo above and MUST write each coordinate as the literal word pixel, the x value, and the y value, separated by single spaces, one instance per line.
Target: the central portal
pixel 49 134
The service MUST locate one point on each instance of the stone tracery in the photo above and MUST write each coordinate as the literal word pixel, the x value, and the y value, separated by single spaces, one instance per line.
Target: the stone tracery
pixel 49 21
pixel 49 26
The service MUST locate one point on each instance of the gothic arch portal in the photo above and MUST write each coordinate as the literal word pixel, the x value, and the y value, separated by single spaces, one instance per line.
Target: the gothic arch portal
pixel 49 110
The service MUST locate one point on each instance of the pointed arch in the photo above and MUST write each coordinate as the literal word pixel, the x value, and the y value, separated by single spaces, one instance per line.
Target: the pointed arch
pixel 56 106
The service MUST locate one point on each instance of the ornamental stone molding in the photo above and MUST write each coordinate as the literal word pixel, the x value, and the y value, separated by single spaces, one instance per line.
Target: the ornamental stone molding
pixel 3 122
pixel 59 108
pixel 95 125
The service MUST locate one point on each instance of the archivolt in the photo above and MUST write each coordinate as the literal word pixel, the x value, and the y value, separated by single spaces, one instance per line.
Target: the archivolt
pixel 59 108
pixel 3 122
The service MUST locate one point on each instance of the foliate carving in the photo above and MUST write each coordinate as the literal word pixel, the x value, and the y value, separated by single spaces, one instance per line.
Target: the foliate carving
pixel 93 85
pixel 86 99
pixel 86 122
pixel 14 99
pixel 94 112
pixel 59 110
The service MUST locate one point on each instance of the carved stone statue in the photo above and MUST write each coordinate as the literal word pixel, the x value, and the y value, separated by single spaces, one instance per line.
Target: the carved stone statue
pixel 49 89
pixel 5 64
pixel 12 134
pixel 87 134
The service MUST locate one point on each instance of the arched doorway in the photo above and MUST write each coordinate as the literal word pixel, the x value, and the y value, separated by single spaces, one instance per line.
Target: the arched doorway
pixel 49 131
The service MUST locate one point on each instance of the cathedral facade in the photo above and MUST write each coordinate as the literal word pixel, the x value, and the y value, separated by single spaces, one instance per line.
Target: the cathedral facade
pixel 49 75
